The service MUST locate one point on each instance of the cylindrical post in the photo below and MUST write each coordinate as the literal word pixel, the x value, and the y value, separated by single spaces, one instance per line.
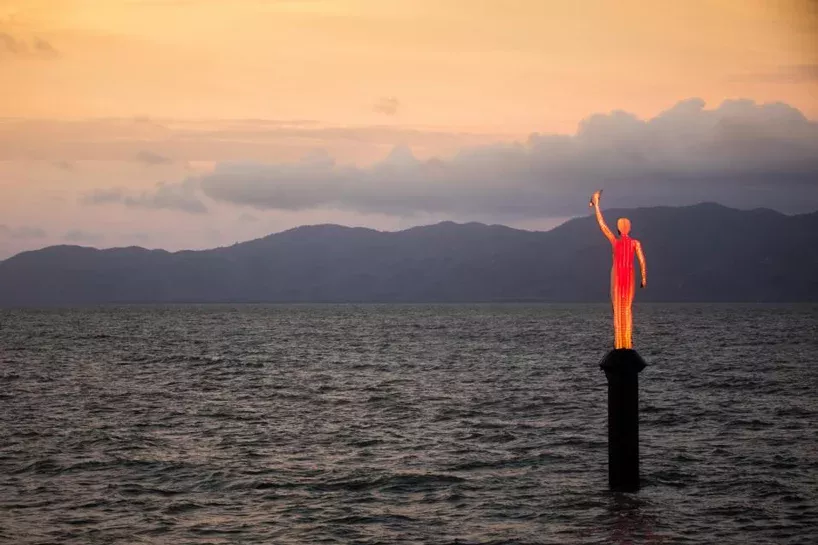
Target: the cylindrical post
pixel 622 367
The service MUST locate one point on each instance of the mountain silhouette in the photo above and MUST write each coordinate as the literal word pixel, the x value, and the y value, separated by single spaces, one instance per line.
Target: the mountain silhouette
pixel 705 252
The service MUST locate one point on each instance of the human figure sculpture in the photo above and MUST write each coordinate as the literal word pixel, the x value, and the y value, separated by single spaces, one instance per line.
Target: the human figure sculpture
pixel 622 275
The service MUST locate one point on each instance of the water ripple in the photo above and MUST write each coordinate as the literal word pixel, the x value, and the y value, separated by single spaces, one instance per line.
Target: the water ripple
pixel 402 424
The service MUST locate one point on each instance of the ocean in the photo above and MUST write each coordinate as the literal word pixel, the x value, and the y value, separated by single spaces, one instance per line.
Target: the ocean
pixel 419 424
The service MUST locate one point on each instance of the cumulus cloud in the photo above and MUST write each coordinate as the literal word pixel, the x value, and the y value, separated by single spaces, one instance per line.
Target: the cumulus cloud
pixel 387 105
pixel 21 232
pixel 151 158
pixel 180 196
pixel 740 154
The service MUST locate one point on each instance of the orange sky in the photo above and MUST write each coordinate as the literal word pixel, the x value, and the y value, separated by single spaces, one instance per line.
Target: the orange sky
pixel 111 99
pixel 479 65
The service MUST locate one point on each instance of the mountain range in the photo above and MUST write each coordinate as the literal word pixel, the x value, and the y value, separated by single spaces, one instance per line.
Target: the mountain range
pixel 705 252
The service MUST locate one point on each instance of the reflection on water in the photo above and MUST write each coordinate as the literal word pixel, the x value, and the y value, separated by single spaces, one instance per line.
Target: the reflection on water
pixel 631 521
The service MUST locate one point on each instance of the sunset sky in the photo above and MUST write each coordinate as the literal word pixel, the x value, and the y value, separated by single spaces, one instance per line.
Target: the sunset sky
pixel 198 123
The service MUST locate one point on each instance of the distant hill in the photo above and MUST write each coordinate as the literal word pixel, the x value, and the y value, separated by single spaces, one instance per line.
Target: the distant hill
pixel 705 252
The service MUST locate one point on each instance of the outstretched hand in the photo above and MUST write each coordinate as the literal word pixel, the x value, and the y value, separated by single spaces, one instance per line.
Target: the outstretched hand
pixel 595 198
pixel 643 284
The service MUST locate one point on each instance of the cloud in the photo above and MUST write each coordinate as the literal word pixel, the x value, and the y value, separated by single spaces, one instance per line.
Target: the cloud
pixel 43 48
pixel 151 158
pixel 184 141
pixel 247 218
pixel 139 237
pixel 194 3
pixel 181 196
pixel 21 232
pixel 16 47
pixel 10 45
pixel 104 196
pixel 169 196
pixel 799 73
pixel 77 235
pixel 63 165
pixel 741 154
pixel 387 105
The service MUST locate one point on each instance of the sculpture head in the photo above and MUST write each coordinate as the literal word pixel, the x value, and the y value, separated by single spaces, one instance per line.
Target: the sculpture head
pixel 623 225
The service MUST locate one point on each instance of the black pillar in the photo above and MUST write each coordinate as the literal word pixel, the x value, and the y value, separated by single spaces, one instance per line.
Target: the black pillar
pixel 622 367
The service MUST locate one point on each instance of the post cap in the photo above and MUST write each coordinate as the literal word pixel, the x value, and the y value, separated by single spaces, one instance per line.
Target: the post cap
pixel 622 360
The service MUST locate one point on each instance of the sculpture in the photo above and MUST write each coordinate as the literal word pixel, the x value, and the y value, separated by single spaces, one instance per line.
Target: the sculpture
pixel 622 274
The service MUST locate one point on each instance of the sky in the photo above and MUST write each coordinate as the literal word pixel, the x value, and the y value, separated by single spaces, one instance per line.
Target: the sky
pixel 199 123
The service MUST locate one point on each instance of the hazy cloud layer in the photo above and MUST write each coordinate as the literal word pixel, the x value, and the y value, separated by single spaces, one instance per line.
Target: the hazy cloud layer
pixel 17 47
pixel 181 197
pixel 64 165
pixel 21 232
pixel 799 73
pixel 167 142
pixel 387 105
pixel 80 236
pixel 741 154
pixel 151 158
pixel 244 217
pixel 138 237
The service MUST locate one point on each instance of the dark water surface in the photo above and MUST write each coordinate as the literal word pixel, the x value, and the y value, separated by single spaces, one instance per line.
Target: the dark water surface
pixel 402 424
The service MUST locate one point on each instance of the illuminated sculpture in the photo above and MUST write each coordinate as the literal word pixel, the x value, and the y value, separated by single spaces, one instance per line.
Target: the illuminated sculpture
pixel 622 275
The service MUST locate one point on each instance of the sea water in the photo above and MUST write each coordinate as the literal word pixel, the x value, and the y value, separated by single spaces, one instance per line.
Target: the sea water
pixel 403 424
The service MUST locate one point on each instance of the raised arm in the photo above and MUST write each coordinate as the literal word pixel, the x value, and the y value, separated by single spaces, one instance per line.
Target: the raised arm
pixel 599 219
pixel 643 267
